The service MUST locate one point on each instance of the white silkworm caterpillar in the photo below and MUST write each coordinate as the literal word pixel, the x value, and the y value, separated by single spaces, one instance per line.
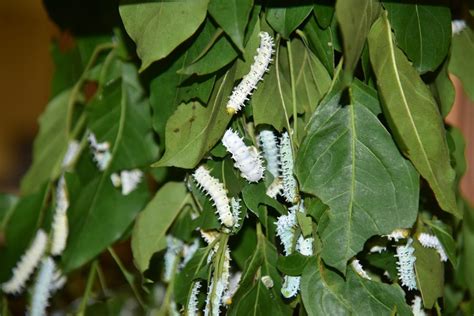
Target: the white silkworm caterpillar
pixel 244 89
pixel 235 207
pixel 398 234
pixel 290 187
pixel 458 26
pixel 130 180
pixel 305 246
pixel 218 194
pixel 359 269
pixel 100 152
pixel 247 159
pixel 285 230
pixel 27 264
pixel 268 142
pixel 233 286
pixel 60 228
pixel 42 287
pixel 291 285
pixel 217 288
pixel 431 241
pixel 378 249
pixel 172 255
pixel 71 153
pixel 406 265
pixel 417 307
pixel 192 308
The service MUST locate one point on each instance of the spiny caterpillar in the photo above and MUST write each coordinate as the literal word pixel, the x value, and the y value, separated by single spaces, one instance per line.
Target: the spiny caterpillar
pixel 71 153
pixel 417 307
pixel 291 285
pixel 290 186
pixel 192 308
pixel 172 256
pixel 405 265
pixel 218 286
pixel 100 151
pixel 27 264
pixel 241 92
pixel 359 269
pixel 285 230
pixel 43 287
pixel 268 142
pixel 398 234
pixel 431 241
pixel 235 207
pixel 458 26
pixel 60 227
pixel 247 159
pixel 218 194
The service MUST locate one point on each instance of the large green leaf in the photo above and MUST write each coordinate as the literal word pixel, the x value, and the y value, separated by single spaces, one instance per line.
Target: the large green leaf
pixel 286 20
pixel 412 114
pixel 158 27
pixel 355 19
pixel 369 187
pixel 50 144
pixel 232 16
pixel 429 274
pixel 194 129
pixel 324 292
pixel 151 225
pixel 98 215
pixel 461 62
pixel 423 31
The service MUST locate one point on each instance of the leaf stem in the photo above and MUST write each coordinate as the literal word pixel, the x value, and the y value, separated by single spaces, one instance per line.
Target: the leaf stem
pixel 277 69
pixel 293 96
pixel 128 276
pixel 89 284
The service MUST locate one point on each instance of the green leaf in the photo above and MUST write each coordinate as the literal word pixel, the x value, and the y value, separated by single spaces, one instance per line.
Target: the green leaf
pixel 149 231
pixel 321 42
pixel 194 129
pixel 429 274
pixel 121 116
pixel 292 264
pixel 213 59
pixel 232 16
pixel 369 187
pixel 444 90
pixel 50 145
pixel 98 216
pixel 20 230
pixel 159 27
pixel 366 96
pixel 457 149
pixel 324 11
pixel 272 100
pixel 254 195
pixel 355 19
pixel 461 63
pixel 412 114
pixel 423 31
pixel 324 292
pixel 286 20
pixel 445 238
